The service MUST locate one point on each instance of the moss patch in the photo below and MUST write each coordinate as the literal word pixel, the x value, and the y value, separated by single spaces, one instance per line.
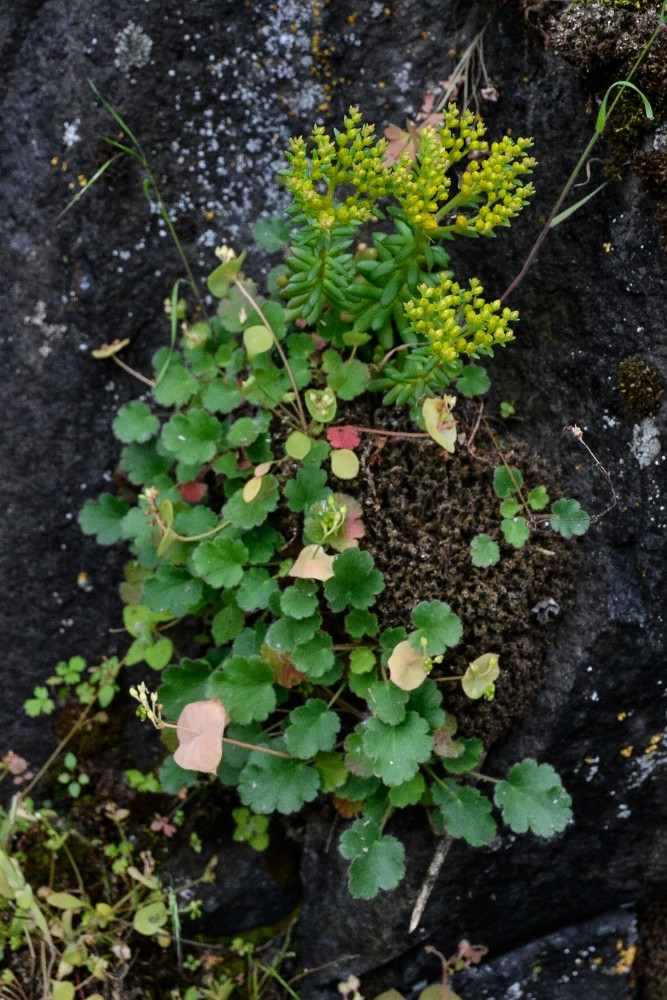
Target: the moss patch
pixel 422 510
pixel 641 387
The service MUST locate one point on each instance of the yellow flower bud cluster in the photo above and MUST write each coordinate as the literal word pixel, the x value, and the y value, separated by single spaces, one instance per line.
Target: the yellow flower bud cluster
pixel 422 188
pixel 354 161
pixel 496 181
pixel 355 158
pixel 459 321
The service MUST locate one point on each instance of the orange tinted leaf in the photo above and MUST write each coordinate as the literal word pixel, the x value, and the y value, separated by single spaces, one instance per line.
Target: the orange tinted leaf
pixel 313 563
pixel 199 729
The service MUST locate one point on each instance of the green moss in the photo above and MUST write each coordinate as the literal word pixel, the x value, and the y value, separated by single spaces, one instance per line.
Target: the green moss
pixel 418 530
pixel 641 387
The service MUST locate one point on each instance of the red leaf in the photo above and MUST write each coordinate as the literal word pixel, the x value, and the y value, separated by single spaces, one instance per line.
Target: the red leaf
pixel 193 491
pixel 344 437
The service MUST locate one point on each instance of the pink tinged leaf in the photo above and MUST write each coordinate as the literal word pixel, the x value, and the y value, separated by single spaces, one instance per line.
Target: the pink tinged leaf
pixel 199 729
pixel 354 526
pixel 407 667
pixel 313 563
pixel 344 437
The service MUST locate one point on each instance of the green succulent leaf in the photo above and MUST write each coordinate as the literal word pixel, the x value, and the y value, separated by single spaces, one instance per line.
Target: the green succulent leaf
pixel 568 519
pixel 312 728
pixel 274 784
pixel 378 861
pixel 436 625
pixel 463 812
pixel 533 798
pixel 355 583
pixel 183 684
pixel 256 590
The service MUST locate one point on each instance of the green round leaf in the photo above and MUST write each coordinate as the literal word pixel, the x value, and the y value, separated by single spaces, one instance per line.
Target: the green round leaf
pixel 484 551
pixel 257 340
pixel 344 463
pixel 298 445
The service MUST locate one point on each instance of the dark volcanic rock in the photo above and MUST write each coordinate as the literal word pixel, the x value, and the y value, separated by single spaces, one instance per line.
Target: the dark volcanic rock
pixel 213 101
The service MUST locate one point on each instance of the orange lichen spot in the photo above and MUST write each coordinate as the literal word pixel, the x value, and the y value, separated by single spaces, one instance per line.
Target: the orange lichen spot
pixel 606 247
pixel 597 960
pixel 386 10
pixel 590 760
pixel 621 715
pixel 82 180
pixel 627 751
pixel 424 35
pixel 293 27
pixel 324 106
pixel 626 958
pixel 210 214
pixel 54 161
pixel 351 18
pixel 71 186
pixel 653 743
pixel 63 165
pixel 381 84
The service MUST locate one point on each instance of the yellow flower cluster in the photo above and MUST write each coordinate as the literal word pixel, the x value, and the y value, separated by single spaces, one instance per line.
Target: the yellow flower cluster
pixel 355 158
pixel 422 188
pixel 496 181
pixel 459 321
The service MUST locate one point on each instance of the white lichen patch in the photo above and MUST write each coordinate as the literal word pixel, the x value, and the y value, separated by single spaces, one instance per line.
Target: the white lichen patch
pixel 71 133
pixel 645 442
pixel 51 332
pixel 133 47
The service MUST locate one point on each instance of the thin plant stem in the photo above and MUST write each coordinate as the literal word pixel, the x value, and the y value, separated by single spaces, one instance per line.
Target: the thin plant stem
pixel 283 357
pixel 581 162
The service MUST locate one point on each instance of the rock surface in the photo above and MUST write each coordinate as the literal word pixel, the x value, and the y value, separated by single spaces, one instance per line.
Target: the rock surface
pixel 213 101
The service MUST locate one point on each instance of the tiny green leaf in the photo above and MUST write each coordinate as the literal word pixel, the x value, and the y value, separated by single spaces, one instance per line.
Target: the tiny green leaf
pixel 515 531
pixel 464 812
pixel 257 340
pixel 135 422
pixel 484 551
pixel 300 600
pixel 298 445
pixel 538 498
pixel 473 381
pixel 506 481
pixel 437 627
pixel 378 861
pixel 355 582
pixel 568 519
pixel 344 463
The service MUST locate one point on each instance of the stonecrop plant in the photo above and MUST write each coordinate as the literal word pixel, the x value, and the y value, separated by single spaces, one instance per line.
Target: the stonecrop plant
pixel 244 457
